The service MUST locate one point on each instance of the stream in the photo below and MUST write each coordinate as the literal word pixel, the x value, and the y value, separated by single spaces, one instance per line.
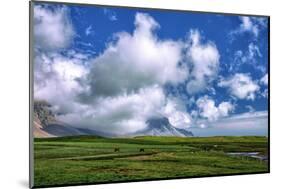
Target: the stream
pixel 255 155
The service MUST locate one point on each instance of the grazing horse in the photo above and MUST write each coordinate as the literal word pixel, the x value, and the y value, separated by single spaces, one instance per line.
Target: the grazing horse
pixel 116 149
pixel 141 150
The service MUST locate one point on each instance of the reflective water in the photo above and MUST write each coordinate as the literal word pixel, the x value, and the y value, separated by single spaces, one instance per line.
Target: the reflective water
pixel 255 155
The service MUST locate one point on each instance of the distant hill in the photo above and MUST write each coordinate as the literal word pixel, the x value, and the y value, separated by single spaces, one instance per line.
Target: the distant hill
pixel 46 125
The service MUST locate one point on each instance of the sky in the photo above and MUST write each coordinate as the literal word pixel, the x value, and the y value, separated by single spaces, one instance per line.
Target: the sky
pixel 111 69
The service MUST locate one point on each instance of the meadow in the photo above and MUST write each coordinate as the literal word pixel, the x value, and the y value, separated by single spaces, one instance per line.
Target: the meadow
pixel 89 159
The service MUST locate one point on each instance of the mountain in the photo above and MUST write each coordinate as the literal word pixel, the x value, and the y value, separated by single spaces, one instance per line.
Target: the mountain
pixel 162 127
pixel 45 124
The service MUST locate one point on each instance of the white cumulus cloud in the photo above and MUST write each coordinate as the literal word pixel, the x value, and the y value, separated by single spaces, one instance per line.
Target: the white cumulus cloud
pixel 120 114
pixel 208 109
pixel 52 27
pixel 135 61
pixel 241 86
pixel 204 60
pixel 55 79
pixel 175 111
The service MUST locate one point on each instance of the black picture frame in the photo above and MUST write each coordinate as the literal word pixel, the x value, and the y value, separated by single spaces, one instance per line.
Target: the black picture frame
pixel 31 63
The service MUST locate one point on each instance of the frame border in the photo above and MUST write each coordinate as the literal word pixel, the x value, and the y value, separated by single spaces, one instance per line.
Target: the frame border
pixel 31 110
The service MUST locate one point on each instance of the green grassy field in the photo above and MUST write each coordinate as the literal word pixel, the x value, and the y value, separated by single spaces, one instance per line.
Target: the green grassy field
pixel 88 159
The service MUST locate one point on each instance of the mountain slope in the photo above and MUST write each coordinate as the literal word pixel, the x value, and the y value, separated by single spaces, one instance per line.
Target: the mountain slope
pixel 46 125
pixel 162 127
pixel 38 130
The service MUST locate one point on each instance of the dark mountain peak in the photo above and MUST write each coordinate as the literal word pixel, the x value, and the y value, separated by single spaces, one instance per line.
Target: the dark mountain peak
pixel 43 113
pixel 161 126
pixel 158 122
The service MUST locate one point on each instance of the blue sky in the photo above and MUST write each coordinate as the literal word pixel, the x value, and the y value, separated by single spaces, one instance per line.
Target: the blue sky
pixel 213 67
